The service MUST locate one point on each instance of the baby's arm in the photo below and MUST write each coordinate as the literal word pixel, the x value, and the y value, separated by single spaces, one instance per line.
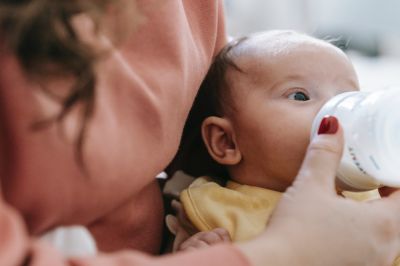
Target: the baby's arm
pixel 187 237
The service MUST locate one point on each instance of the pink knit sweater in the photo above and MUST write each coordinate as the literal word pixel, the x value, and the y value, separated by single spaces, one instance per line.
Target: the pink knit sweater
pixel 143 94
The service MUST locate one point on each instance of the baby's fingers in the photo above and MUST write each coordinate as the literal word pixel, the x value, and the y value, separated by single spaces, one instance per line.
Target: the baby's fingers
pixel 212 237
pixel 205 239
pixel 193 244
pixel 223 234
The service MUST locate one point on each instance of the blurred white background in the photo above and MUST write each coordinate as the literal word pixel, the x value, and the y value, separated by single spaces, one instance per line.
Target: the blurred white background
pixel 368 30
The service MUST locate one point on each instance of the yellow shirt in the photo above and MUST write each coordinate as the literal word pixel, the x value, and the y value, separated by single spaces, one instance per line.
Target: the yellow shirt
pixel 243 210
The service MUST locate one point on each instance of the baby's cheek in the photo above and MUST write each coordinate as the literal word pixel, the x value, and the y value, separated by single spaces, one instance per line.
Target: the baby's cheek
pixel 293 153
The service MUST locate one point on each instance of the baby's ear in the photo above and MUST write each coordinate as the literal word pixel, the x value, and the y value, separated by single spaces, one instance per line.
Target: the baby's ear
pixel 219 138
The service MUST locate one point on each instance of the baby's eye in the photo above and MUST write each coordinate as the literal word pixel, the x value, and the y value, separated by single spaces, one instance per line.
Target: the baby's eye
pixel 298 96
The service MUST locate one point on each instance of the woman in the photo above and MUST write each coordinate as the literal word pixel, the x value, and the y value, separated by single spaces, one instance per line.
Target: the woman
pixel 87 124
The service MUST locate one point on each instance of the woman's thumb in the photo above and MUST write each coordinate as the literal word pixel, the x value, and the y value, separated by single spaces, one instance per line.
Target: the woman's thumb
pixel 323 156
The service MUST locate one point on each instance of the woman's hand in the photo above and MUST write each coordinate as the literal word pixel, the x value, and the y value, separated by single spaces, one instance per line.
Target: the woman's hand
pixel 314 226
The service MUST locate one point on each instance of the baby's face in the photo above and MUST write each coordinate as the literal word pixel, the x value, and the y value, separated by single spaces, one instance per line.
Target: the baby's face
pixel 286 82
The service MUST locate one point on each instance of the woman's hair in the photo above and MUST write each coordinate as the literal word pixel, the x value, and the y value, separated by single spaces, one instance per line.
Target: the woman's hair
pixel 40 34
pixel 213 99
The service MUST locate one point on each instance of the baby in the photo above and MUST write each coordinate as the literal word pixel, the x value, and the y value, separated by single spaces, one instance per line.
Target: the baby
pixel 254 113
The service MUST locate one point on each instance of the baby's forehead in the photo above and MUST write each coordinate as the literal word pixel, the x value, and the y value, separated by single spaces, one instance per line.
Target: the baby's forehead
pixel 262 55
pixel 275 44
pixel 270 47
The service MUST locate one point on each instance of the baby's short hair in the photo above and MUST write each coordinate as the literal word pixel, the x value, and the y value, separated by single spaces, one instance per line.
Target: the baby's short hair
pixel 215 89
pixel 213 99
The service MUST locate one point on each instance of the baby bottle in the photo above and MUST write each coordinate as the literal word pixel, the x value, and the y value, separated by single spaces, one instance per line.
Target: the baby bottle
pixel 371 125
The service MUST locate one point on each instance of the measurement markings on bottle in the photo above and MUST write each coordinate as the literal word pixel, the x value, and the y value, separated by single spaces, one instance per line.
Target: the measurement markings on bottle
pixel 374 162
pixel 356 161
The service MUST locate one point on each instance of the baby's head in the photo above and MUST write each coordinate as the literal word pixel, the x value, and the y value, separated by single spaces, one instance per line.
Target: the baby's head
pixel 262 94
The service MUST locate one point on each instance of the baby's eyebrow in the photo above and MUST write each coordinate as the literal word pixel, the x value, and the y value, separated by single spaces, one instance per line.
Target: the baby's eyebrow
pixel 285 79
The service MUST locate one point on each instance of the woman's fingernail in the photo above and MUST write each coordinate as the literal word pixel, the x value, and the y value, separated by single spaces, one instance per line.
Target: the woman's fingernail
pixel 329 125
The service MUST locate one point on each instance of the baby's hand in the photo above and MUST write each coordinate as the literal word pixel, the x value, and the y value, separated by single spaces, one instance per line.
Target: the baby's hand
pixel 187 236
pixel 205 239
